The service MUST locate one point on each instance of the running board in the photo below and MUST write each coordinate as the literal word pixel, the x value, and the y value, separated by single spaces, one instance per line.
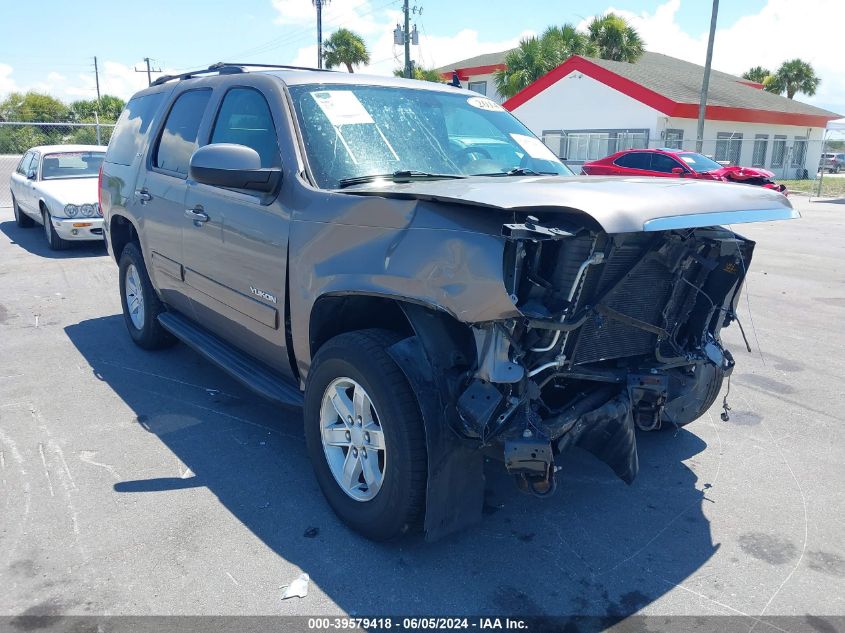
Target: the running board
pixel 251 373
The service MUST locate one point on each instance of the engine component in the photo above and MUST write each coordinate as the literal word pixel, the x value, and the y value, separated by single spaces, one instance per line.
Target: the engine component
pixel 477 406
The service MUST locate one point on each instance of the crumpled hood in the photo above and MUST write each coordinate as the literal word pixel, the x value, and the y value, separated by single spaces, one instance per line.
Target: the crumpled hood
pixel 618 204
pixel 69 190
pixel 735 172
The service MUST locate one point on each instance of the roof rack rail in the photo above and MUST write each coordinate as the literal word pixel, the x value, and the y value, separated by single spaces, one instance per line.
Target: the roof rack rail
pixel 228 68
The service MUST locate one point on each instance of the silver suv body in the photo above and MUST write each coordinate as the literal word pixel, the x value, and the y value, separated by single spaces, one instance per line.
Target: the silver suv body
pixel 409 263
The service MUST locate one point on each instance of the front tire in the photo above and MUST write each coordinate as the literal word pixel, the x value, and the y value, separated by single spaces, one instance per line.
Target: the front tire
pixel 141 305
pixel 21 218
pixel 364 435
pixel 55 242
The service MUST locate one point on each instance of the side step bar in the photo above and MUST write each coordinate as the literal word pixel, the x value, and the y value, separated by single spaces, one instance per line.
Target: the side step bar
pixel 251 373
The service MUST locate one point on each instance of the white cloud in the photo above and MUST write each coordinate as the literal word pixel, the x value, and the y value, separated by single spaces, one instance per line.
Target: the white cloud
pixel 783 29
pixel 7 83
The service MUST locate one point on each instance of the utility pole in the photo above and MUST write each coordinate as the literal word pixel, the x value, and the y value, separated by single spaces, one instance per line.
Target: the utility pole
pixel 149 71
pixel 97 79
pixel 406 10
pixel 705 84
pixel 319 4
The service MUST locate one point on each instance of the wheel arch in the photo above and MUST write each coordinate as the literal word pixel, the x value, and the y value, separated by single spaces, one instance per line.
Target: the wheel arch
pixel 121 231
pixel 435 354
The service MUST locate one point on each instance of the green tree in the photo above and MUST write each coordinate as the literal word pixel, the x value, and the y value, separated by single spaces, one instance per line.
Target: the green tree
pixel 33 106
pixel 615 39
pixel 347 48
pixel 523 66
pixel 421 74
pixel 794 75
pixel 757 74
pixel 108 109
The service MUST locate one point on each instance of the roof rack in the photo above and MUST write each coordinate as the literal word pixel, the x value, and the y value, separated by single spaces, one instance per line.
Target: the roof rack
pixel 228 68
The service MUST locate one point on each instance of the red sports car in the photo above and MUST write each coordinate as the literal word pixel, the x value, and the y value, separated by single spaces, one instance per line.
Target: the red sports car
pixel 678 164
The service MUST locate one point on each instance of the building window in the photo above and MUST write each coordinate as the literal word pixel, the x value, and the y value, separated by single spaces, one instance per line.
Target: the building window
pixel 578 146
pixel 778 150
pixel 728 147
pixel 478 86
pixel 761 144
pixel 674 139
pixel 799 151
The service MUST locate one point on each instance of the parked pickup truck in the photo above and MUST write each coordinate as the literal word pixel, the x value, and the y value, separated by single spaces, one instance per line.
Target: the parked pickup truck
pixel 342 243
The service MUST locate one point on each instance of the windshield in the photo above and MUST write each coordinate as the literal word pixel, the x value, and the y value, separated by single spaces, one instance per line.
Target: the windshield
pixel 354 131
pixel 698 162
pixel 71 165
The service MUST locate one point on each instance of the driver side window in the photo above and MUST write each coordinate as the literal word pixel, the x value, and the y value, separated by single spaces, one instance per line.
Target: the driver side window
pixel 23 166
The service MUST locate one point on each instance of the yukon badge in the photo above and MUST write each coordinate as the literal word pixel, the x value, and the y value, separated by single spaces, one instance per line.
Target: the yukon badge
pixel 260 293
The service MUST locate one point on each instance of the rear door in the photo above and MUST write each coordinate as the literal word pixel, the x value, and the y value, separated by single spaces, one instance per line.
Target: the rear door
pixel 160 194
pixel 16 182
pixel 235 260
pixel 634 164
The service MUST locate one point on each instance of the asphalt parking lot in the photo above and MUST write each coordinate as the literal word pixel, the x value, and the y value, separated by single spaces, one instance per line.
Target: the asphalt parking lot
pixel 151 483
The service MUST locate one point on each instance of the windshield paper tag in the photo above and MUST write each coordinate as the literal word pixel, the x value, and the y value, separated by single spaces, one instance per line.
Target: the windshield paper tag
pixel 342 107
pixel 534 147
pixel 482 103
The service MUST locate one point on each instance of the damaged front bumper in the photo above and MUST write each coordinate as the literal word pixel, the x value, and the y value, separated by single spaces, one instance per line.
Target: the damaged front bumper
pixel 617 332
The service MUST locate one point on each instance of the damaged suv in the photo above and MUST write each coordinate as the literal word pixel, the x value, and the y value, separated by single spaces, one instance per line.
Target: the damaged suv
pixel 407 262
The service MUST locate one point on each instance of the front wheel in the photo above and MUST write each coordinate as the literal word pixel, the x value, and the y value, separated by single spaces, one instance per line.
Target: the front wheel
pixel 141 305
pixel 364 435
pixel 55 242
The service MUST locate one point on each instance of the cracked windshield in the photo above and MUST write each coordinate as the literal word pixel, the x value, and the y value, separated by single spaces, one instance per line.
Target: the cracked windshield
pixel 355 132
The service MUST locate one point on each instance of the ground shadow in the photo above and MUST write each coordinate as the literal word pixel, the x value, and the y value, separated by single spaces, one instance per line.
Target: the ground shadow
pixel 33 241
pixel 597 547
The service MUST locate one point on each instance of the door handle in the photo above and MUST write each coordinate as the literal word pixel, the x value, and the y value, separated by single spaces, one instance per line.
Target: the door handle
pixel 198 216
pixel 143 195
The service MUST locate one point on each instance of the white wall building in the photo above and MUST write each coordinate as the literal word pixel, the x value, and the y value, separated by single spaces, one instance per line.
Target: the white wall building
pixel 588 108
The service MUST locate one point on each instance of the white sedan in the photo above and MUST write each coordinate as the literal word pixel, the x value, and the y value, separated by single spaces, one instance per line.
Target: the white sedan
pixel 56 186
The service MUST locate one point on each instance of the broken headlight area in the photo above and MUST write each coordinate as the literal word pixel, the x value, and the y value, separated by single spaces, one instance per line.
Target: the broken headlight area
pixel 618 332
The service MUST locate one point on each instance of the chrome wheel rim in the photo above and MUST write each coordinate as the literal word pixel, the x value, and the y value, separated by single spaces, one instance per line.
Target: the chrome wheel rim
pixel 134 296
pixel 353 439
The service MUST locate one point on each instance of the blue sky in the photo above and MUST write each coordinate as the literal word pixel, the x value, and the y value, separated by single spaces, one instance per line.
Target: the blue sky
pixel 187 34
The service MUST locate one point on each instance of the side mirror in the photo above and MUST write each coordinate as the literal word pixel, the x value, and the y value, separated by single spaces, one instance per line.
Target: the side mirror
pixel 678 170
pixel 30 175
pixel 233 166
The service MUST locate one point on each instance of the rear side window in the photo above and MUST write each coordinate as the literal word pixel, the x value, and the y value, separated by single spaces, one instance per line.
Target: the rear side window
pixel 634 160
pixel 128 137
pixel 244 118
pixel 24 164
pixel 179 137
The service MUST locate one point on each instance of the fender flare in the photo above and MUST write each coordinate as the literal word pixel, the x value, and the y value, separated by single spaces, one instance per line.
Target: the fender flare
pixel 455 484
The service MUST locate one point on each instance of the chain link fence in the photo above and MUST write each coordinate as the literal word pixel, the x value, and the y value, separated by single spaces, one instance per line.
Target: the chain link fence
pixel 17 137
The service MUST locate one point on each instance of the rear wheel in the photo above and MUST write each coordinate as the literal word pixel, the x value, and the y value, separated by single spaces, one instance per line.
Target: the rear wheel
pixel 364 435
pixel 21 218
pixel 53 240
pixel 141 305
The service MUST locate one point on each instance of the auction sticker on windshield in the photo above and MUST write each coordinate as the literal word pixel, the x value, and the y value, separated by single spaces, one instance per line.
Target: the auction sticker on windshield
pixel 484 104
pixel 342 107
pixel 534 147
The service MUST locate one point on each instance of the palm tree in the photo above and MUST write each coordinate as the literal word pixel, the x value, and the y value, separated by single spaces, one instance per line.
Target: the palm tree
pixel 523 66
pixel 421 74
pixel 564 42
pixel 758 74
pixel 615 39
pixel 347 48
pixel 793 76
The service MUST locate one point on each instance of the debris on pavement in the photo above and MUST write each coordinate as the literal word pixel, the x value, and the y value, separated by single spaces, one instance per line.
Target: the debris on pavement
pixel 297 589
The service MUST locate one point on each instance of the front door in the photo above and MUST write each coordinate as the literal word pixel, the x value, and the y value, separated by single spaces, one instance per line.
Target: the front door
pixel 161 192
pixel 235 242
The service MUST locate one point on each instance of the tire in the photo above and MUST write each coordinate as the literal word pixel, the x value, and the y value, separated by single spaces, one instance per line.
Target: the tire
pixel 398 504
pixel 142 322
pixel 21 218
pixel 53 240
